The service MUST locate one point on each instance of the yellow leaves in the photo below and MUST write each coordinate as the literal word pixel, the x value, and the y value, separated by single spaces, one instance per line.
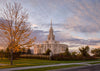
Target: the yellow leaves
pixel 14 47
pixel 26 35
pixel 6 32
pixel 34 38
pixel 29 46
pixel 15 27
pixel 10 48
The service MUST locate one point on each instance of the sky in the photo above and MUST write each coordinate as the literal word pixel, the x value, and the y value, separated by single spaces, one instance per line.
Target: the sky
pixel 75 22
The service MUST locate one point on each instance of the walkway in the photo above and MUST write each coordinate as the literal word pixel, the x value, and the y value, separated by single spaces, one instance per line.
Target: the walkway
pixel 3 64
pixel 95 67
pixel 42 66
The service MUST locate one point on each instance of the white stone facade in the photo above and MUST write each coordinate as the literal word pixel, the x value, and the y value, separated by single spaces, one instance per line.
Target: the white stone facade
pixel 51 44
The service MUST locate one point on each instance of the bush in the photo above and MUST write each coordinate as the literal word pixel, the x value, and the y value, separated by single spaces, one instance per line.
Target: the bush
pixel 74 54
pixel 77 57
pixel 28 51
pixel 48 52
pixel 96 52
pixel 35 57
pixel 15 54
pixel 67 53
pixel 1 54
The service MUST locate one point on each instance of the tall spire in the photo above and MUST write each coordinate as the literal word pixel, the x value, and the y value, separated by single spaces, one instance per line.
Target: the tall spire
pixel 51 35
pixel 51 22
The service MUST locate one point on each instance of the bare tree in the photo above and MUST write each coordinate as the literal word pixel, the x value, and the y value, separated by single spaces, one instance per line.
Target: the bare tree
pixel 15 28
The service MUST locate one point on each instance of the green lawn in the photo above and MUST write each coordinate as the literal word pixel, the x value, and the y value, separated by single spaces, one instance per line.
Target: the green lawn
pixel 95 63
pixel 50 68
pixel 33 62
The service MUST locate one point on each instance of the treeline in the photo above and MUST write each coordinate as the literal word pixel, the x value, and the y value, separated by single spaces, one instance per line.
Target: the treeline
pixel 83 54
pixel 16 54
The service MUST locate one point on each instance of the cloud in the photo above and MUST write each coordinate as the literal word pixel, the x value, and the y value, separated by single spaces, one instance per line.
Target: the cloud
pixel 85 17
pixel 41 35
pixel 71 19
pixel 78 25
pixel 69 39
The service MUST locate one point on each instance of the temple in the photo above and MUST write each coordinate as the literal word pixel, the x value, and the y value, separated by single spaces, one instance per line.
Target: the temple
pixel 51 44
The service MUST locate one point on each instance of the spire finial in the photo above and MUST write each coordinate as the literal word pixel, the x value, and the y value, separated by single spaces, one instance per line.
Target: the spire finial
pixel 51 22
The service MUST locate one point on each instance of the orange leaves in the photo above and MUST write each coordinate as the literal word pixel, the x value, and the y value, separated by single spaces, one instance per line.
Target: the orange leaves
pixel 15 27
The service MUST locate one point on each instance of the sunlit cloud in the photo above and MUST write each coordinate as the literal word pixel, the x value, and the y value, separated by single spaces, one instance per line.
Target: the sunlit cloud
pixel 75 22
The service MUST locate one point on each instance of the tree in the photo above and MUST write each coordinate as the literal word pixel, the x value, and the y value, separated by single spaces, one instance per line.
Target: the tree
pixel 28 51
pixel 67 53
pixel 7 53
pixel 15 54
pixel 74 54
pixel 15 29
pixel 48 52
pixel 1 54
pixel 96 52
pixel 84 51
pixel 23 50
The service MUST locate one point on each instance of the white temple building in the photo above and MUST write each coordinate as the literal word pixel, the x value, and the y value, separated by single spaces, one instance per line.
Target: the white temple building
pixel 51 44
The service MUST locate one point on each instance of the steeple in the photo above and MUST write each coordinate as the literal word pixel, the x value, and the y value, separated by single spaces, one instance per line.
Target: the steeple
pixel 51 35
pixel 51 22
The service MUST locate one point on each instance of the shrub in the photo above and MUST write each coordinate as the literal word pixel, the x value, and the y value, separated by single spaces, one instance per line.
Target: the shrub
pixel 35 57
pixel 63 57
pixel 74 54
pixel 96 52
pixel 28 51
pixel 15 54
pixel 67 53
pixel 48 52
pixel 1 54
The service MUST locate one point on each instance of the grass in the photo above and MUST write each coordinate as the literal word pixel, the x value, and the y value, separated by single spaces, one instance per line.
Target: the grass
pixel 34 62
pixel 95 63
pixel 50 68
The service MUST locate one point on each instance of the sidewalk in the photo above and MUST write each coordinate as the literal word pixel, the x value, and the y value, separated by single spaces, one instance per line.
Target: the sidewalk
pixel 95 67
pixel 3 64
pixel 42 66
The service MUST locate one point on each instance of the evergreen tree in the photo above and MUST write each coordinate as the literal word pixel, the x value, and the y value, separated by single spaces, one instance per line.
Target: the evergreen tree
pixel 23 50
pixel 67 53
pixel 48 52
pixel 28 51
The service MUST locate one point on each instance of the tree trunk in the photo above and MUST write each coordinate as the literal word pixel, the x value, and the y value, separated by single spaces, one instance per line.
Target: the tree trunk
pixel 11 57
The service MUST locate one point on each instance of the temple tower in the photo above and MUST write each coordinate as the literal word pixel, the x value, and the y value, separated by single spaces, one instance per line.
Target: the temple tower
pixel 51 36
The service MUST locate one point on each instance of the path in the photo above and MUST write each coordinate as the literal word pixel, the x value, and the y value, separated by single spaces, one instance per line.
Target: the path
pixel 95 67
pixel 42 66
pixel 3 64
